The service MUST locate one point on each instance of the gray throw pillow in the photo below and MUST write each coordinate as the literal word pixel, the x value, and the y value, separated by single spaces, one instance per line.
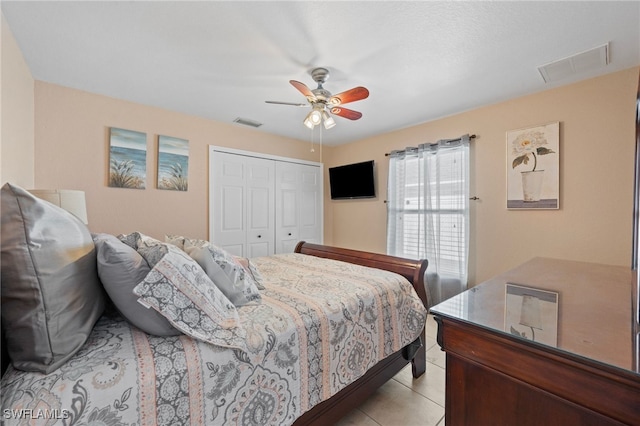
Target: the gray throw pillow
pixel 51 293
pixel 121 268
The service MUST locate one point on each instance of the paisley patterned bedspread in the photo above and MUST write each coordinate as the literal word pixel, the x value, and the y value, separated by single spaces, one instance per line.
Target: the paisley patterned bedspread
pixel 320 326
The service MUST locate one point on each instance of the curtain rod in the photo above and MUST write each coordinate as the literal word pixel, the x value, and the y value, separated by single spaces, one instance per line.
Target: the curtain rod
pixel 471 137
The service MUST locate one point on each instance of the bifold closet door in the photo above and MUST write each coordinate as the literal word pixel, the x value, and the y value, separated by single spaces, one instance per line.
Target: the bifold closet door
pixel 243 204
pixel 298 205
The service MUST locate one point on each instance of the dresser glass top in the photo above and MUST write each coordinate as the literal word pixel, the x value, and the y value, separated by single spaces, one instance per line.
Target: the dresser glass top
pixel 581 308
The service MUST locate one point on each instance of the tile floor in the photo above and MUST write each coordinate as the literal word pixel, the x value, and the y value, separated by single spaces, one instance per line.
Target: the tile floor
pixel 405 401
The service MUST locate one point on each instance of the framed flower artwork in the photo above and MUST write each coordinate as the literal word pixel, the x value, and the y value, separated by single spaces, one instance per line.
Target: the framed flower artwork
pixel 533 167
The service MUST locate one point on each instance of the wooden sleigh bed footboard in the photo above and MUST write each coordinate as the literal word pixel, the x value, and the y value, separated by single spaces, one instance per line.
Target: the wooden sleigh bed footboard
pixel 357 392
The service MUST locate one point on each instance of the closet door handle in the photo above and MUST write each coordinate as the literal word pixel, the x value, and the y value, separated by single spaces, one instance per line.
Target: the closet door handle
pixel 289 233
pixel 259 236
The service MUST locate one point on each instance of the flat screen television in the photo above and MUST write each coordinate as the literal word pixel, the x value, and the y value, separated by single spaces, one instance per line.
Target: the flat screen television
pixel 352 181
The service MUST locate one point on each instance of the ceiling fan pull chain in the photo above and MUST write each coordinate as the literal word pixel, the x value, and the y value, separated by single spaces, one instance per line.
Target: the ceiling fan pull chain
pixel 312 133
pixel 320 143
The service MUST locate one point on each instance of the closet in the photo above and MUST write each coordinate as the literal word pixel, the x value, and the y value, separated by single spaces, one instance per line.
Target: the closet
pixel 261 205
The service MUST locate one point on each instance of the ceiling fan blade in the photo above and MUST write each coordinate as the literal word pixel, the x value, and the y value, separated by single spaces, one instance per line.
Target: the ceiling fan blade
pixel 287 103
pixel 304 90
pixel 355 94
pixel 346 113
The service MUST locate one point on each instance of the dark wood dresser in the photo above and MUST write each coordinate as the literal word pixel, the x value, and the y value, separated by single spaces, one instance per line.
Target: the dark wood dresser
pixel 551 342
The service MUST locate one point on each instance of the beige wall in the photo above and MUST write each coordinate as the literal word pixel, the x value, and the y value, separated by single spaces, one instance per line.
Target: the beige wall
pixel 16 113
pixel 597 145
pixel 72 152
pixel 596 158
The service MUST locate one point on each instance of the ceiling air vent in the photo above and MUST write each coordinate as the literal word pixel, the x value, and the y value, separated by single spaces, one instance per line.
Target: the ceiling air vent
pixel 581 62
pixel 247 122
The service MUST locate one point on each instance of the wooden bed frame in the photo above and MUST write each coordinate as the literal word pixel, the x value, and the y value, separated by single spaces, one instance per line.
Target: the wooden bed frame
pixel 331 410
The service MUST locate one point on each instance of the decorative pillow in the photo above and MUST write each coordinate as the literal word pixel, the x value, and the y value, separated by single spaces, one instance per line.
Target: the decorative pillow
pixel 121 268
pixel 238 295
pixel 149 248
pixel 250 269
pixel 51 293
pixel 153 252
pixel 178 288
pixel 176 240
pixel 240 280
pixel 132 240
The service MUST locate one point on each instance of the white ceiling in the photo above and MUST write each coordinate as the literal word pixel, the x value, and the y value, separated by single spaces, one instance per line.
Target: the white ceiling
pixel 420 60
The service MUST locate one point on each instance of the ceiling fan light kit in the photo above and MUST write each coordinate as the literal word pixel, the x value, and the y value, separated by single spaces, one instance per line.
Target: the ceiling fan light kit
pixel 328 120
pixel 321 99
pixel 307 122
pixel 313 118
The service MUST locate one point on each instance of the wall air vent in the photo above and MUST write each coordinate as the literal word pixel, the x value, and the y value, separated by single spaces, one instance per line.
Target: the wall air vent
pixel 589 60
pixel 247 122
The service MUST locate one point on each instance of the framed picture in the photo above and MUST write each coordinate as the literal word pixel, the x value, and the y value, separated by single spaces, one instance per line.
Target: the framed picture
pixel 127 158
pixel 532 314
pixel 173 163
pixel 533 167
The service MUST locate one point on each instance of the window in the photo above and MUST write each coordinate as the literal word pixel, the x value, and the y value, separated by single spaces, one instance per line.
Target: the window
pixel 428 206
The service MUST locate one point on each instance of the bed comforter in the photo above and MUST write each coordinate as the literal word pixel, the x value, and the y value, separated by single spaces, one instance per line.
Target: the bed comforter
pixel 320 326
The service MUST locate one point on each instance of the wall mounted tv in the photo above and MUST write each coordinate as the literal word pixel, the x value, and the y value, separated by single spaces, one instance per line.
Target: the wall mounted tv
pixel 352 181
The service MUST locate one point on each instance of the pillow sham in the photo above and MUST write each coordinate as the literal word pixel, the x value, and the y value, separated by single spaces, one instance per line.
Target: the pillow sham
pixel 251 269
pixel 120 269
pixel 176 240
pixel 238 295
pixel 132 240
pixel 149 248
pixel 240 281
pixel 178 288
pixel 51 293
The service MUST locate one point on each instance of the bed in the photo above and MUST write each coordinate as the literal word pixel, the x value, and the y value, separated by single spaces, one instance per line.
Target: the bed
pixel 331 325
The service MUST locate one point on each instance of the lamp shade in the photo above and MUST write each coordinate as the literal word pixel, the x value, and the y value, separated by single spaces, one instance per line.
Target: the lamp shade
pixel 71 200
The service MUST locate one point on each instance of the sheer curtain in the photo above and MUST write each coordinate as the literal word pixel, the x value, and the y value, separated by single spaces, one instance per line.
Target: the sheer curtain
pixel 428 211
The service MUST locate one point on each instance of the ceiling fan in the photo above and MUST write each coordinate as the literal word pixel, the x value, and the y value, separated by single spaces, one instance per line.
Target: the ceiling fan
pixel 323 102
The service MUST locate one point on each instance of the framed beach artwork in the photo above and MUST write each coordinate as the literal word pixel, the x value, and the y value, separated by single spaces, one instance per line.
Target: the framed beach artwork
pixel 127 158
pixel 173 163
pixel 532 314
pixel 533 167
